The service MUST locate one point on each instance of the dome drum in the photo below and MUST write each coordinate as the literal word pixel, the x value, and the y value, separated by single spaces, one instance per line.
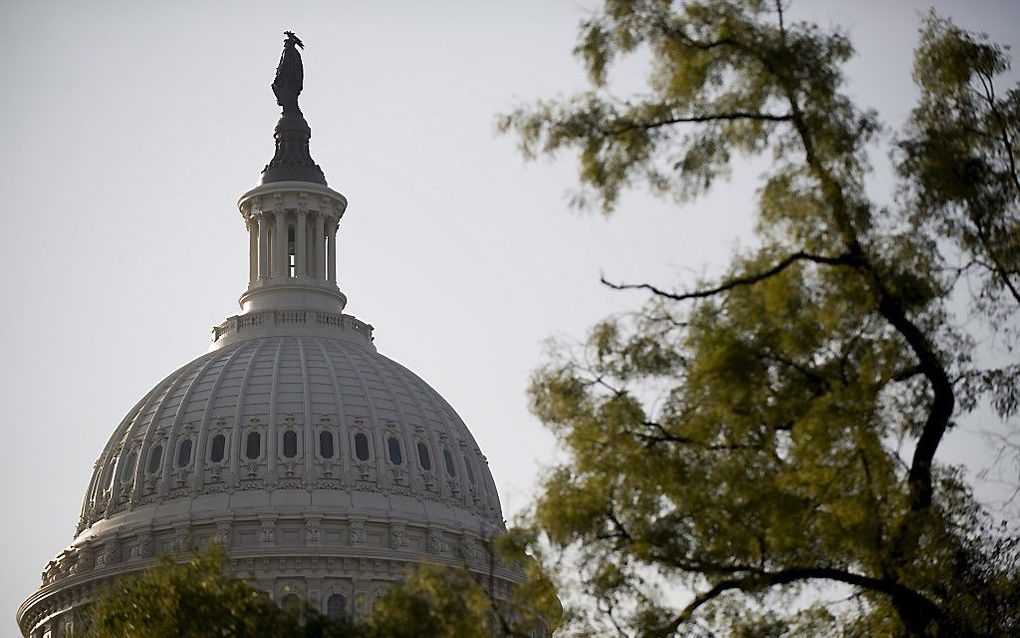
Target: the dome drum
pixel 307 554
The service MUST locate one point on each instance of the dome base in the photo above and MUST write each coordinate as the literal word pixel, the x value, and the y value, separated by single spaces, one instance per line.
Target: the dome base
pixel 293 292
pixel 296 322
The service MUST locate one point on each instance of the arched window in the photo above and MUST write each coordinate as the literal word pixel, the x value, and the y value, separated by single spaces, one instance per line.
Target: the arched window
pixel 129 467
pixel 219 444
pixel 423 457
pixel 253 446
pixel 361 446
pixel 467 469
pixel 336 607
pixel 326 444
pixel 184 453
pixel 155 459
pixel 290 444
pixel 396 457
pixel 450 468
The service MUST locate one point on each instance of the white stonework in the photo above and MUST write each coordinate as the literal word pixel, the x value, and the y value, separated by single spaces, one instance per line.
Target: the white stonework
pixel 324 468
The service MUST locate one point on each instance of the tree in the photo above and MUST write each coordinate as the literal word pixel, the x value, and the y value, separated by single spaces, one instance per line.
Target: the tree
pixel 194 599
pixel 436 601
pixel 742 437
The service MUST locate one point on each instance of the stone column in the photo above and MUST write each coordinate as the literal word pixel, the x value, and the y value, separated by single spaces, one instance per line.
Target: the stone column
pixel 331 252
pixel 280 252
pixel 263 222
pixel 321 256
pixel 317 235
pixel 253 251
pixel 310 246
pixel 300 247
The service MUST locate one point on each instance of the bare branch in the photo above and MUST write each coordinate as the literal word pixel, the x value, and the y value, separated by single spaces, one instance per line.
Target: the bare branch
pixel 759 579
pixel 747 280
pixel 624 126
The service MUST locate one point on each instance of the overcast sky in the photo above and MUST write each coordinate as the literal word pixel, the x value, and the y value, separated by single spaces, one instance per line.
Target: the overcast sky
pixel 130 128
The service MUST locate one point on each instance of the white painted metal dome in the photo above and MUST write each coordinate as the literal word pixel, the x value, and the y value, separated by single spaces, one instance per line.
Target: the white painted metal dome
pixel 298 425
pixel 324 468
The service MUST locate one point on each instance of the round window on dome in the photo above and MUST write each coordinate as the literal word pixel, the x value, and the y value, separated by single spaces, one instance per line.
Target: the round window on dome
pixel 423 457
pixel 361 446
pixel 218 448
pixel 253 446
pixel 184 453
pixel 155 459
pixel 326 450
pixel 290 444
pixel 396 456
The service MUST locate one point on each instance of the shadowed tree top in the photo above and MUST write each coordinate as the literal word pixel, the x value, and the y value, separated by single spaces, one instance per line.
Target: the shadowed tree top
pixel 289 74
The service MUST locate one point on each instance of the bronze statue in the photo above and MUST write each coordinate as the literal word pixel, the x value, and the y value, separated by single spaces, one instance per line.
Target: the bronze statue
pixel 289 74
pixel 292 160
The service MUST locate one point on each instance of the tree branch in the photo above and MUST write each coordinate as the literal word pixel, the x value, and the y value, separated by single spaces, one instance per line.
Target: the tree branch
pixel 892 308
pixel 747 280
pixel 759 579
pixel 624 125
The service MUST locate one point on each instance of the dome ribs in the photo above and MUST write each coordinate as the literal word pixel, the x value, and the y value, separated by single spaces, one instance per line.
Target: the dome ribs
pixel 269 446
pixel 401 424
pixel 369 408
pixel 155 430
pixel 112 452
pixel 467 445
pixel 343 452
pixel 89 507
pixel 233 451
pixel 198 452
pixel 306 407
pixel 429 429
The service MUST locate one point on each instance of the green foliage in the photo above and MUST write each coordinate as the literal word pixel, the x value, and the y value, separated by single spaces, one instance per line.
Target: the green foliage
pixel 434 601
pixel 959 156
pixel 445 602
pixel 769 441
pixel 194 599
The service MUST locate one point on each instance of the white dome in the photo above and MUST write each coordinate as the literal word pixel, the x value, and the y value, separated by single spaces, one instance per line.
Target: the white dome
pixel 324 468
pixel 297 424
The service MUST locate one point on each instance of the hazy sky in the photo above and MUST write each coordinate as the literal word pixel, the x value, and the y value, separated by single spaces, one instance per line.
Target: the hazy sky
pixel 130 128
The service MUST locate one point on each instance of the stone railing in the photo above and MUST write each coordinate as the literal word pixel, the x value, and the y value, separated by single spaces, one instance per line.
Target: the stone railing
pixel 270 318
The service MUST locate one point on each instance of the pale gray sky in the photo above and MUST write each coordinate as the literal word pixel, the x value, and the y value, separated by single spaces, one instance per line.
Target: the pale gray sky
pixel 130 129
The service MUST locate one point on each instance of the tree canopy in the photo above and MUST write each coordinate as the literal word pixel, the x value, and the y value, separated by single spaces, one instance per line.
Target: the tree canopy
pixel 771 438
pixel 192 597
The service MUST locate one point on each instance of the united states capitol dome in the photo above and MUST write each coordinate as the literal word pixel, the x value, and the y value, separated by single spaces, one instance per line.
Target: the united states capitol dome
pixel 323 467
pixel 293 422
